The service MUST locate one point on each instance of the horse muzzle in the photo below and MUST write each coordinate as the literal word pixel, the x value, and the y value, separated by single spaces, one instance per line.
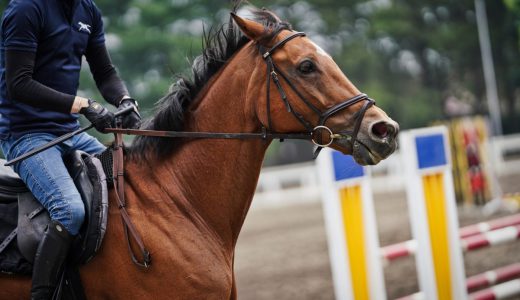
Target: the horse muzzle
pixel 377 144
pixel 371 145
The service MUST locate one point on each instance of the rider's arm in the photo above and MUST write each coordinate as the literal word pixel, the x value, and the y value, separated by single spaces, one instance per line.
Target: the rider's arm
pixel 21 26
pixel 22 87
pixel 109 83
pixel 19 68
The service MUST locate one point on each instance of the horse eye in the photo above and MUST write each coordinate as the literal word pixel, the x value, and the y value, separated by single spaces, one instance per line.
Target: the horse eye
pixel 307 67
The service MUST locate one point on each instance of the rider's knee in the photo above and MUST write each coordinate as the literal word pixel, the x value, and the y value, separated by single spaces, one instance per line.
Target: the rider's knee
pixel 70 212
pixel 77 215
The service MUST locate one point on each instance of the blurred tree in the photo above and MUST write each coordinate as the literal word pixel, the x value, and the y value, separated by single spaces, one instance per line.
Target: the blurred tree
pixel 409 55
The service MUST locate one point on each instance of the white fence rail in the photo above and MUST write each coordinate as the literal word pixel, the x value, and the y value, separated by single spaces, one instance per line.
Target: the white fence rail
pixel 505 154
pixel 283 185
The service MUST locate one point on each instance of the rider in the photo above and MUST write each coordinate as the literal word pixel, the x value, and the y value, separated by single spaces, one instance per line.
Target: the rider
pixel 42 45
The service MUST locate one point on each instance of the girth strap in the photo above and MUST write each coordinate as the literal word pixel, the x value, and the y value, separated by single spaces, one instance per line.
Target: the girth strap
pixel 8 239
pixel 119 188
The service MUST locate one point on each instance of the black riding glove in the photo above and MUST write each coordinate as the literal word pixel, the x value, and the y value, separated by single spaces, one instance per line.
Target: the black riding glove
pixel 99 116
pixel 132 119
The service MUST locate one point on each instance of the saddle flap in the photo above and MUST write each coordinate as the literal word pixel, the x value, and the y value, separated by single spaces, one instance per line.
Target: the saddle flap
pixel 88 175
pixel 11 260
pixel 32 222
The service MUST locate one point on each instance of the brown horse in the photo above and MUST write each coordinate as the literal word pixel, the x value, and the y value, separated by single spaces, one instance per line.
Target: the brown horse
pixel 188 198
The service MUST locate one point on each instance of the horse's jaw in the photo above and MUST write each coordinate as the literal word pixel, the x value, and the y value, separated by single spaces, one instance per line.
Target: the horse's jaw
pixel 366 151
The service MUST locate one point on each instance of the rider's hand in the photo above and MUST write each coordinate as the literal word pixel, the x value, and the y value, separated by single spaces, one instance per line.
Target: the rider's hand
pixel 132 119
pixel 98 115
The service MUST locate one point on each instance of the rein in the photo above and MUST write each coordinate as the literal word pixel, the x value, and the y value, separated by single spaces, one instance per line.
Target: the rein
pixel 211 135
pixel 119 187
pixel 314 133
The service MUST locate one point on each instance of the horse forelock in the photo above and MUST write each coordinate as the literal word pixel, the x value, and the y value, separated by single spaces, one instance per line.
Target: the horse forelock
pixel 219 45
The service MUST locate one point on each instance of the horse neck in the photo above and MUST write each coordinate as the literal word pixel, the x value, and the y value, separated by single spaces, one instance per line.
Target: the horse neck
pixel 216 179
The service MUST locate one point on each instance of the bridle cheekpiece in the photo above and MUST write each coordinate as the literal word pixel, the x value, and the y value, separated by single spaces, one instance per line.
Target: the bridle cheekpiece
pixel 315 131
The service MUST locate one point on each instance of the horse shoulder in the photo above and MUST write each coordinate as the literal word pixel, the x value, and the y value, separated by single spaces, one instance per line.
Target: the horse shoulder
pixel 187 260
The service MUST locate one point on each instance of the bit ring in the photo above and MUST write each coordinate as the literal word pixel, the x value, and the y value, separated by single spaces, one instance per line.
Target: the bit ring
pixel 325 128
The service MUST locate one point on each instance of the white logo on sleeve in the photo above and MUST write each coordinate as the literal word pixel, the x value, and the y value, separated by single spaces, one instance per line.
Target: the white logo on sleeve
pixel 84 27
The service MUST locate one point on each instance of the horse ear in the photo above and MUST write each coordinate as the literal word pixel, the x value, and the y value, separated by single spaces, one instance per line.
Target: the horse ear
pixel 253 30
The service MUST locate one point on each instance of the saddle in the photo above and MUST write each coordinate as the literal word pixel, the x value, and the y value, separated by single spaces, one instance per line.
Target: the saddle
pixel 23 219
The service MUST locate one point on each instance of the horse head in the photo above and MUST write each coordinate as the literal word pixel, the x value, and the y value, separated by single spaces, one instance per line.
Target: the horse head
pixel 299 87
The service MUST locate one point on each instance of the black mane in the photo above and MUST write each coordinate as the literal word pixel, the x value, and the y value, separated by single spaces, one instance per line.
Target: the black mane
pixel 218 46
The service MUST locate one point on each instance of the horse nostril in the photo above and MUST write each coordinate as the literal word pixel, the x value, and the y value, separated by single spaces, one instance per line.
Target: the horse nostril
pixel 381 129
pixel 385 130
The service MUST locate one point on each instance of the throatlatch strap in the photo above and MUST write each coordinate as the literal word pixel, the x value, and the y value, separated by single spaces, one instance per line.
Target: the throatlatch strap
pixel 129 228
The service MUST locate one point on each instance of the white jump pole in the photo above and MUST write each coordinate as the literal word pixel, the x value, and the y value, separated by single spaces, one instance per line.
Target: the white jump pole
pixel 433 214
pixel 351 228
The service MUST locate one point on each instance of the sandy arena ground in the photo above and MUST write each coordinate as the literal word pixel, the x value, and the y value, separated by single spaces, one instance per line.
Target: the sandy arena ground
pixel 282 252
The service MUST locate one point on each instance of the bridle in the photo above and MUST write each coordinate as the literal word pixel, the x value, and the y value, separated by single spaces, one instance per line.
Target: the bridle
pixel 314 133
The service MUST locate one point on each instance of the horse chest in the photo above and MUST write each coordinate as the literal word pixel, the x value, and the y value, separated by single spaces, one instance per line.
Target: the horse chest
pixel 186 264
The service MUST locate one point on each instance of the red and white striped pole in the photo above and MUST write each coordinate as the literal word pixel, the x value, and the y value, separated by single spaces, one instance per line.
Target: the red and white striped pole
pixel 486 279
pixel 504 290
pixel 392 252
pixel 482 227
pixel 491 238
pixel 474 235
pixel 492 277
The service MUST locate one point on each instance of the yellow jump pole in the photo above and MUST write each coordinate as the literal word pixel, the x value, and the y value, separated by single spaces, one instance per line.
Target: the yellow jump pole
pixel 351 228
pixel 433 213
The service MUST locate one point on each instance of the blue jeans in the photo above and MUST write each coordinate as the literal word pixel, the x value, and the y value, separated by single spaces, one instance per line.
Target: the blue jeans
pixel 47 177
